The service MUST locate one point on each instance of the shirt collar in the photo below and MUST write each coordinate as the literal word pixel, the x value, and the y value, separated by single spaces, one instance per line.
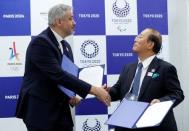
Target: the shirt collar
pixel 57 36
pixel 147 61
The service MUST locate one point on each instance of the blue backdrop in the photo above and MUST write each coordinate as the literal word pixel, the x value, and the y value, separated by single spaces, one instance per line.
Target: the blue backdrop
pixel 105 30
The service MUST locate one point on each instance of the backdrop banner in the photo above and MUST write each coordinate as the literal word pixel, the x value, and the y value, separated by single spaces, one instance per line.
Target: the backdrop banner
pixel 104 34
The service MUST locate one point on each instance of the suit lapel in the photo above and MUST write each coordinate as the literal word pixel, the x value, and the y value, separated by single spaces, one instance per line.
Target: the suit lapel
pixel 49 36
pixel 130 75
pixel 54 43
pixel 145 83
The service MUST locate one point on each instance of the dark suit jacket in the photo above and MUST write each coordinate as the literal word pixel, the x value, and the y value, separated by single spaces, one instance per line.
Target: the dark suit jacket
pixel 166 86
pixel 41 104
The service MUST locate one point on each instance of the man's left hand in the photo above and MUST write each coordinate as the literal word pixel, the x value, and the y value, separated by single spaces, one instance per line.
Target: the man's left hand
pixel 74 101
pixel 154 101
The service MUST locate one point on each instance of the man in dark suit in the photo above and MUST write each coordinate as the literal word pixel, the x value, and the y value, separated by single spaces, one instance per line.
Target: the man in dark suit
pixel 41 104
pixel 157 81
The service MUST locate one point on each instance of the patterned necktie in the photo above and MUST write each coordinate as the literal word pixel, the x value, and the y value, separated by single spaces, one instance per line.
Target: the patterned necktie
pixel 67 50
pixel 136 81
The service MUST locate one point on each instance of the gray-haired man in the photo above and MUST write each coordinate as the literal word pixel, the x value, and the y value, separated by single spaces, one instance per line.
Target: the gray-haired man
pixel 41 105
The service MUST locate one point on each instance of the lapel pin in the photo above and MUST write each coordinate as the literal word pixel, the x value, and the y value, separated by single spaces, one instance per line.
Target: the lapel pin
pixel 155 75
pixel 153 70
pixel 149 74
pixel 67 49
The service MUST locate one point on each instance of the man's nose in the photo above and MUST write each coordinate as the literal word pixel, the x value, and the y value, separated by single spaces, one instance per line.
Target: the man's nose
pixel 74 23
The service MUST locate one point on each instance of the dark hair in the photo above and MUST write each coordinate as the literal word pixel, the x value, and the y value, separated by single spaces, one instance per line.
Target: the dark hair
pixel 156 38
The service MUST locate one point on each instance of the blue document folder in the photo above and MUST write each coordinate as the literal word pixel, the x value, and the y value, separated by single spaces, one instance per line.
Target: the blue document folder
pixel 86 74
pixel 70 67
pixel 135 114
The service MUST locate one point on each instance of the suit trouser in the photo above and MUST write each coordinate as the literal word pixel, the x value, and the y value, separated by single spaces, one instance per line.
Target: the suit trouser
pixel 65 128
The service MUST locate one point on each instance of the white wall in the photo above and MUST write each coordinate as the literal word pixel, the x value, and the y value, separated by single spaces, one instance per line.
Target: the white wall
pixel 178 18
pixel 12 124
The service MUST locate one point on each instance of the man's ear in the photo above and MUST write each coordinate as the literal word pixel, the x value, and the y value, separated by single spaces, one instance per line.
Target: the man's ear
pixel 58 21
pixel 151 45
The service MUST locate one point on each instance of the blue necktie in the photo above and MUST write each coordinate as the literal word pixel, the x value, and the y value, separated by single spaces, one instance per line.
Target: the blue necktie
pixel 136 81
pixel 67 50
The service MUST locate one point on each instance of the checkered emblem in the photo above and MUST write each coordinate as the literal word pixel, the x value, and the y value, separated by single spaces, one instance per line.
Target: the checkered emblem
pixel 121 12
pixel 89 49
pixel 97 126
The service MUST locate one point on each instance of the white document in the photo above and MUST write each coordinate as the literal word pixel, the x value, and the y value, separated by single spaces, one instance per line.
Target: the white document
pixel 154 114
pixel 136 114
pixel 92 75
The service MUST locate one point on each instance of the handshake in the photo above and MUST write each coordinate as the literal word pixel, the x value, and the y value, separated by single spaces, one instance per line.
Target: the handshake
pixel 100 92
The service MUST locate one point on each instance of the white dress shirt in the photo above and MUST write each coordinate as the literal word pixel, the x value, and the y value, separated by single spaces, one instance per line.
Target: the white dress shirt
pixel 145 64
pixel 59 39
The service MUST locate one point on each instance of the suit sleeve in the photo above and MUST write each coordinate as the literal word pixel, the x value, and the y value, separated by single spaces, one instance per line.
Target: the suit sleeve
pixel 115 89
pixel 44 58
pixel 172 86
